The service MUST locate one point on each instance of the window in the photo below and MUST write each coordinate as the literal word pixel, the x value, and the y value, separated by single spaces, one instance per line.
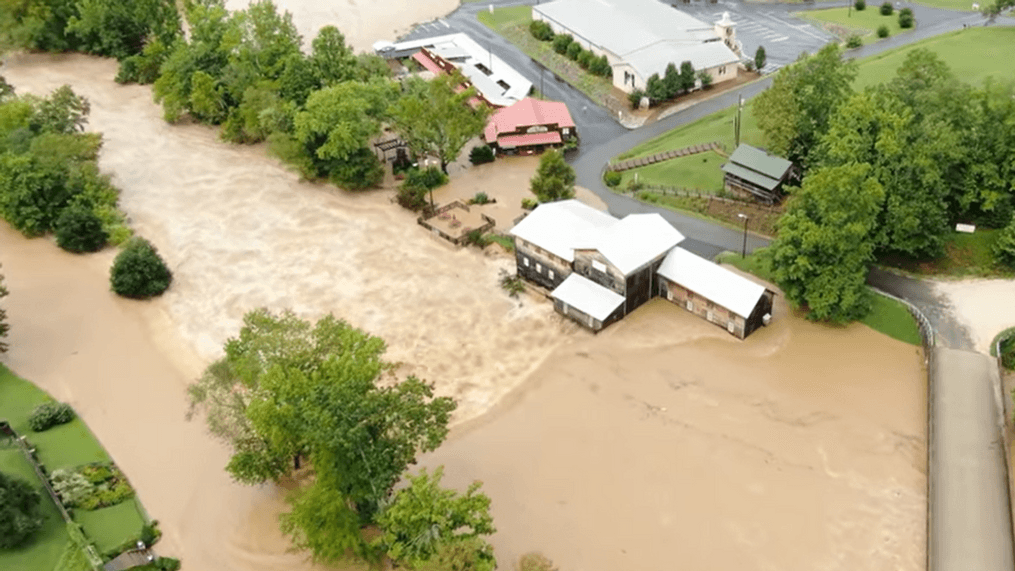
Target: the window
pixel 565 130
pixel 539 267
pixel 722 70
pixel 690 305
pixel 598 266
pixel 731 326
pixel 709 315
pixel 551 274
pixel 525 261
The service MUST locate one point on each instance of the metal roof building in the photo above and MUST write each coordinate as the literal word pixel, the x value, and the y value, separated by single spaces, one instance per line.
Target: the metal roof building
pixel 751 171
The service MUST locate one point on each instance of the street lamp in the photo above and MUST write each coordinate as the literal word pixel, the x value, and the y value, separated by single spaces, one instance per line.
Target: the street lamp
pixel 743 252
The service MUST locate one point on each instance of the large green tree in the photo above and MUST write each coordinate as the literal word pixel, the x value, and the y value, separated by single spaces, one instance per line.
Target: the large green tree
pixel 20 511
pixel 435 120
pixel 794 112
pixel 825 245
pixel 37 24
pixel 554 178
pixel 120 29
pixel 423 517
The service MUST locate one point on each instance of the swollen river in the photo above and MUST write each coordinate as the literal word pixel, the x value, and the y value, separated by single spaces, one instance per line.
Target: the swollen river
pixel 661 443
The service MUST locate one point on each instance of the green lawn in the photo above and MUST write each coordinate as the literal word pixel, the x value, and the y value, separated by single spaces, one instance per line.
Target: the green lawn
pixel 505 16
pixel 111 527
pixel 64 446
pixel 694 172
pixel 886 316
pixel 843 22
pixel 961 5
pixel 965 255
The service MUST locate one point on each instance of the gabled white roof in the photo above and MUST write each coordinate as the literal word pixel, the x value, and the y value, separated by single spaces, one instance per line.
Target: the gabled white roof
pixel 711 281
pixel 560 227
pixel 654 58
pixel 637 240
pixel 588 297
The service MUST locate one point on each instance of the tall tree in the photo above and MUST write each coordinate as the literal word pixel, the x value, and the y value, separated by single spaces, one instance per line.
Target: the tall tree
pixel 686 76
pixel 794 112
pixel 825 245
pixel 423 517
pixel 120 29
pixel 435 120
pixel 332 59
pixel 554 178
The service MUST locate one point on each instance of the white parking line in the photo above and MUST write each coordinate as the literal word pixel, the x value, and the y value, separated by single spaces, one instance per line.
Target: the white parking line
pixel 797 27
pixel 446 25
pixel 782 39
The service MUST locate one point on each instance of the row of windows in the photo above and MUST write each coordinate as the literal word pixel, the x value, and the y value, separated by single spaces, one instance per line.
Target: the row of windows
pixel 539 267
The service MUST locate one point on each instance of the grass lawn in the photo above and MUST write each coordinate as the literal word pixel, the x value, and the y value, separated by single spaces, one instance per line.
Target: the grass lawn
pixel 111 527
pixel 513 23
pixel 886 316
pixel 506 241
pixel 963 5
pixel 843 22
pixel 965 255
pixel 695 172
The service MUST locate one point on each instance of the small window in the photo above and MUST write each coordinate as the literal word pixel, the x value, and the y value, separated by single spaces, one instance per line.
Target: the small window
pixel 731 326
pixel 599 266
pixel 525 261
pixel 690 305
pixel 551 274
pixel 565 130
pixel 539 267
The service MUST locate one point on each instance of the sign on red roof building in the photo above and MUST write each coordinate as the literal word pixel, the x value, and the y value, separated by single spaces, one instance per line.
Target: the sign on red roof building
pixel 530 125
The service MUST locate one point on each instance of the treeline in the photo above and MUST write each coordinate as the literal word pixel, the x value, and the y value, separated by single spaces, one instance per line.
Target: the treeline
pixel 49 176
pixel 289 391
pixel 889 170
pixel 247 72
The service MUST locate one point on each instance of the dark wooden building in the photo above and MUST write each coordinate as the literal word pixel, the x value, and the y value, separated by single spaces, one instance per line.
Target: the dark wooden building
pixel 753 173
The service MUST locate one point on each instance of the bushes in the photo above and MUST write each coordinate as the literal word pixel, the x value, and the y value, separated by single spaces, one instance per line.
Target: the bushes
pixel 477 238
pixel 760 57
pixel 512 283
pixel 535 562
pixel 20 511
pixel 92 487
pixel 854 41
pixel 50 414
pixel 541 30
pixel 79 230
pixel 139 272
pixel 529 203
pixel 585 58
pixel 883 32
pixel 561 42
pixel 906 18
pixel 887 9
pixel 481 154
pixel 480 198
pixel 860 5
pixel 574 50
pixel 612 178
pixel 705 78
pixel 1004 246
pixel 635 98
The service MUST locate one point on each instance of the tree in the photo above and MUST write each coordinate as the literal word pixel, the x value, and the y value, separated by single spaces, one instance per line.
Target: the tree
pixel 1004 247
pixel 335 130
pixel 434 120
pixel 63 111
pixel 705 78
pixel 554 178
pixel 760 58
pixel 121 29
pixel 20 511
pixel 139 272
pixel 887 8
pixel 422 517
pixel 906 18
pixel 574 49
pixel 672 80
pixel 332 59
pixel 4 327
pixel 825 245
pixel 561 43
pixel 37 25
pixel 794 112
pixel 473 554
pixel 686 76
pixel 33 192
pixel 79 230
pixel 656 89
pixel 262 40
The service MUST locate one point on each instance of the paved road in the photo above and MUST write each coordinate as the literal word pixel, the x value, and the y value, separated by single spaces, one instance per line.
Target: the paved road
pixel 968 502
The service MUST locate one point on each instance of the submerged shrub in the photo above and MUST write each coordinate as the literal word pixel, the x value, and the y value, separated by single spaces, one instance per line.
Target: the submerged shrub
pixel 139 272
pixel 481 154
pixel 79 230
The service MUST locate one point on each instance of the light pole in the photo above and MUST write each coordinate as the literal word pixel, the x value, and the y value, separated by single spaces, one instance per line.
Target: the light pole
pixel 743 252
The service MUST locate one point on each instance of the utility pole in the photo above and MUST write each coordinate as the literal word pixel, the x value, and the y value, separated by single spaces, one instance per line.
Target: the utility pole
pixel 736 126
pixel 743 251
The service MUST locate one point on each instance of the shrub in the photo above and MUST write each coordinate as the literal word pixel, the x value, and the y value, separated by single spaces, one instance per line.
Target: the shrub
pixel 481 154
pixel 635 98
pixel 512 283
pixel 585 59
pixel 412 192
pixel 705 78
pixel 71 486
pixel 139 272
pixel 79 230
pixel 477 238
pixel 887 9
pixel 480 198
pixel 167 564
pixel 535 562
pixel 150 533
pixel 529 203
pixel 612 178
pixel 906 18
pixel 1004 246
pixel 860 5
pixel 541 30
pixel 601 66
pixel 561 42
pixel 1008 352
pixel 20 511
pixel 854 41
pixel 760 57
pixel 883 32
pixel 749 64
pixel 574 50
pixel 50 414
pixel 634 185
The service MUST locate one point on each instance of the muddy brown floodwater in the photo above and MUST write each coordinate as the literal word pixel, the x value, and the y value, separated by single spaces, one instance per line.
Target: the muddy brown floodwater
pixel 660 443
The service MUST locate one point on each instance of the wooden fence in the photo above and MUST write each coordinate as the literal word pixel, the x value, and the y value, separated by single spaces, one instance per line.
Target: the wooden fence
pixel 665 156
pixel 696 193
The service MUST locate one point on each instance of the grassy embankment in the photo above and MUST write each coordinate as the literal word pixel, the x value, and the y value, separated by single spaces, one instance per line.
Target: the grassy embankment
pixel 513 23
pixel 844 22
pixel 65 446
pixel 887 315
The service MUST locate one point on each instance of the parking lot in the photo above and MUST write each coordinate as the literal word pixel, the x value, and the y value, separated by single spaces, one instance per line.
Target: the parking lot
pixel 784 36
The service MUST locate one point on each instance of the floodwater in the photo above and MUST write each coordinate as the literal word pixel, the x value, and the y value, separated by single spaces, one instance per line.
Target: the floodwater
pixel 660 443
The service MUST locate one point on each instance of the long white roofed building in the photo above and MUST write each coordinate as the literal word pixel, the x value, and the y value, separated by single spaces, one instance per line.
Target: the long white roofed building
pixel 641 37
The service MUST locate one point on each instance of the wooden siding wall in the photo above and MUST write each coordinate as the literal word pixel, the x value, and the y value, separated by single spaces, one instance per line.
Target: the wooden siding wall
pixel 756 320
pixel 641 285
pixel 612 278
pixel 584 319
pixel 704 308
pixel 540 264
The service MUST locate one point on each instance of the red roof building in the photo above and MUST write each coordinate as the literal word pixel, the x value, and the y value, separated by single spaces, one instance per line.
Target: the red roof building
pixel 529 126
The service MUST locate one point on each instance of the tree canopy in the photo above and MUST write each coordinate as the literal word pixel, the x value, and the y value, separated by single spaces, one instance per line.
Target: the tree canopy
pixel 554 178
pixel 20 511
pixel 435 120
